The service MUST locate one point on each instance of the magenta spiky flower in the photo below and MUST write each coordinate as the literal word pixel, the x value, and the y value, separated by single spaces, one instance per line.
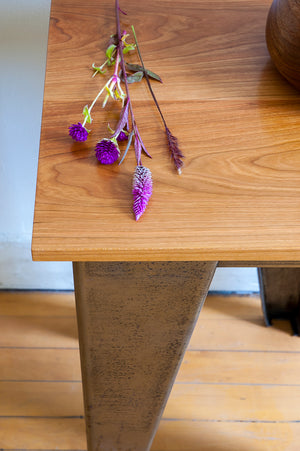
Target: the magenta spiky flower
pixel 107 151
pixel 141 190
pixel 78 132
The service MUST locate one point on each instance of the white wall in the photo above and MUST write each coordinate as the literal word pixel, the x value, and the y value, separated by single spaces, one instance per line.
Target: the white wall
pixel 23 43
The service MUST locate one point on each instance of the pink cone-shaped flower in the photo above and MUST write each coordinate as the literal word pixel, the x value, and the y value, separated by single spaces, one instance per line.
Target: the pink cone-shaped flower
pixel 107 151
pixel 78 132
pixel 141 190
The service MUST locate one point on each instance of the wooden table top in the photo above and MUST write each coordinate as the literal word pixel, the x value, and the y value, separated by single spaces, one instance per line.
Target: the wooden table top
pixel 236 119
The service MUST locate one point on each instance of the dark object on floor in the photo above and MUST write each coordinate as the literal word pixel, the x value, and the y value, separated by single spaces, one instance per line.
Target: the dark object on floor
pixel 280 295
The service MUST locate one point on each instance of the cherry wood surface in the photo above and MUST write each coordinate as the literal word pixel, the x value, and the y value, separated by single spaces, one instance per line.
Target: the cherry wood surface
pixel 236 118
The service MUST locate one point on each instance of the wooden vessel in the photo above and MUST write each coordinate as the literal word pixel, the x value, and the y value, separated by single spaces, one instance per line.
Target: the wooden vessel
pixel 283 38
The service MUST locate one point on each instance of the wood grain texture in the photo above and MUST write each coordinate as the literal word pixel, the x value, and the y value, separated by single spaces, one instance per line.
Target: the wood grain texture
pixel 32 399
pixel 28 303
pixel 24 364
pixel 283 38
pixel 220 436
pixel 232 335
pixel 38 434
pixel 31 327
pixel 260 368
pixel 187 401
pixel 226 375
pixel 253 335
pixel 200 401
pixel 236 119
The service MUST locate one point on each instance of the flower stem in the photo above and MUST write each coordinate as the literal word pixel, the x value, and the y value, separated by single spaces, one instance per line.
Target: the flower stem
pixel 117 63
pixel 147 78
pixel 120 46
pixel 95 99
pixel 176 153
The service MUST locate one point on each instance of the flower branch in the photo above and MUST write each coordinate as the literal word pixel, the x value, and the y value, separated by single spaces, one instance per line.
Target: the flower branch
pixel 176 153
pixel 107 150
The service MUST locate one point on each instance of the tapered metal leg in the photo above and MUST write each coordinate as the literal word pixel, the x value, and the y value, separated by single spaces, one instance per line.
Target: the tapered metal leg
pixel 280 295
pixel 135 321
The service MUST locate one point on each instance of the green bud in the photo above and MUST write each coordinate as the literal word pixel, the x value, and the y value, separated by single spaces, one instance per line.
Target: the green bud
pixel 87 115
pixel 110 50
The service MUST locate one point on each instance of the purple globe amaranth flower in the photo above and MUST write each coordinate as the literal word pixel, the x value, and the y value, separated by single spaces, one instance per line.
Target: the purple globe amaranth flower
pixel 78 132
pixel 122 136
pixel 141 190
pixel 107 151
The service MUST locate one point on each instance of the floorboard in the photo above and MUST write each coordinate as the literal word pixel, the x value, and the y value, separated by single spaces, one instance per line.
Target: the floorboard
pixel 238 387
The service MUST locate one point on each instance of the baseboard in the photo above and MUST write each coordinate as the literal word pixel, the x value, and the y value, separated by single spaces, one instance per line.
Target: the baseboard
pixel 19 272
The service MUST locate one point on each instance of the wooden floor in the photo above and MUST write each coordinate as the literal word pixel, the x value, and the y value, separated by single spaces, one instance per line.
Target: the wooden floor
pixel 238 387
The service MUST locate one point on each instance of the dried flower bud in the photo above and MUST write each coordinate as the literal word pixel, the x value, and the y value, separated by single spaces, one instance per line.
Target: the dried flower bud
pixel 176 153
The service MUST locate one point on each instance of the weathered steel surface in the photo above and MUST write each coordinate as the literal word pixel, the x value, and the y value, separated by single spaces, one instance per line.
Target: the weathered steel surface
pixel 135 320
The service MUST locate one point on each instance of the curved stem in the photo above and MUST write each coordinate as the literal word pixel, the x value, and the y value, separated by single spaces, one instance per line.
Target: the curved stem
pixel 120 46
pixel 95 100
pixel 147 78
pixel 116 71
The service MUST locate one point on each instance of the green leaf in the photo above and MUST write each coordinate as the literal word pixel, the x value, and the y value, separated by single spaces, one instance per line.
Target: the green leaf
pixel 138 68
pixel 87 115
pixel 153 75
pixel 110 50
pixel 128 48
pixel 135 77
pixel 134 67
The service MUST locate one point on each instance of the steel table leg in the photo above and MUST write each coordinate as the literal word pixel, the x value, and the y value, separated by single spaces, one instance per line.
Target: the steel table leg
pixel 135 320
